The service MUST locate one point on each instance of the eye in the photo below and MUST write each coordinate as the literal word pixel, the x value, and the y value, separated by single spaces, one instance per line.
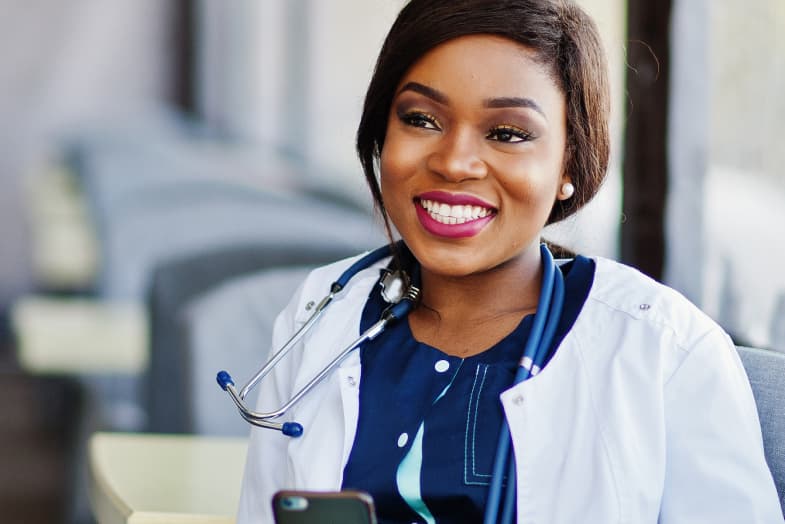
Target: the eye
pixel 419 119
pixel 509 134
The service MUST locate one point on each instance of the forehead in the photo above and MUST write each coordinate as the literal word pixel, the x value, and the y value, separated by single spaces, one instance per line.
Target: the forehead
pixel 487 64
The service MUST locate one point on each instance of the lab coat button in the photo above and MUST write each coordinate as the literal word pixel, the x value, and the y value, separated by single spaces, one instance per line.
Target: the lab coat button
pixel 310 305
pixel 403 439
pixel 644 307
pixel 441 366
pixel 352 382
pixel 517 400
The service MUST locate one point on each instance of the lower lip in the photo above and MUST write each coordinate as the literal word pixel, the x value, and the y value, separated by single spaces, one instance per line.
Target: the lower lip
pixel 467 229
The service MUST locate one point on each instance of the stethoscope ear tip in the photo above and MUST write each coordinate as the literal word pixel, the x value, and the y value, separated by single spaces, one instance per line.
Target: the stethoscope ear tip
pixel 292 429
pixel 224 379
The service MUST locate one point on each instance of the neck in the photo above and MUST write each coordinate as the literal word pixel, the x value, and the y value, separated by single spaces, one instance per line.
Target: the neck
pixel 511 289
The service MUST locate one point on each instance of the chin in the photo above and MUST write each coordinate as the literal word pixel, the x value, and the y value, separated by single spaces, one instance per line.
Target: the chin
pixel 452 262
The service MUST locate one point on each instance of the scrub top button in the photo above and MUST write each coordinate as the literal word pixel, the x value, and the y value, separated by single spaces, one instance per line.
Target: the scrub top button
pixel 441 366
pixel 403 439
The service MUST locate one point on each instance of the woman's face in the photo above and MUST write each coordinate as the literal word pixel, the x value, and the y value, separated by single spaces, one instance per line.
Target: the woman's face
pixel 473 156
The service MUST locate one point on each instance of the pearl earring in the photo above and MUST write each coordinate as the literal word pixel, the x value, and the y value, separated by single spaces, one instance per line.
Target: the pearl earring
pixel 567 190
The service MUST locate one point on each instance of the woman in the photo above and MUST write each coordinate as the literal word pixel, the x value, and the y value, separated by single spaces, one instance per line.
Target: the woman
pixel 488 120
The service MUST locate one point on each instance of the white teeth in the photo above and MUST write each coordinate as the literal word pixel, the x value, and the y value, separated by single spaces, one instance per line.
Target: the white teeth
pixel 447 214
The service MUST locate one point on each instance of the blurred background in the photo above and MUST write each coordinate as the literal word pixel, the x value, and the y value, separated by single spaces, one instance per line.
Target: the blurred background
pixel 170 168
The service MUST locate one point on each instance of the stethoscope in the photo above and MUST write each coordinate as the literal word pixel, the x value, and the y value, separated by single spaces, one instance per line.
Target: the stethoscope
pixel 399 291
pixel 396 290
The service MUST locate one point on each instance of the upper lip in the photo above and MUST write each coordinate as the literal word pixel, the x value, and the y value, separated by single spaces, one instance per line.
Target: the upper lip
pixel 454 199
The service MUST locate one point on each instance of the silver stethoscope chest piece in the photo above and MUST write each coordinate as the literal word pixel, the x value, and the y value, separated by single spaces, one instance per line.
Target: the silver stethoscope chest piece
pixel 394 285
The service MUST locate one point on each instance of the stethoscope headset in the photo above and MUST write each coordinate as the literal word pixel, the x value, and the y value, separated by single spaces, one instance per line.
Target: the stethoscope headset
pixel 402 294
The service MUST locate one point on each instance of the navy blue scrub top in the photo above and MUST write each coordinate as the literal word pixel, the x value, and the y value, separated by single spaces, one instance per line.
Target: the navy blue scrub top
pixel 429 422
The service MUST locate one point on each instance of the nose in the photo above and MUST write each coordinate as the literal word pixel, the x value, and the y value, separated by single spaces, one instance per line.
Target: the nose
pixel 458 157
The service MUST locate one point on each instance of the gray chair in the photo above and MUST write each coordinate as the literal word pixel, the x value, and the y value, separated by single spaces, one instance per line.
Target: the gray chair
pixel 766 371
pixel 177 282
pixel 154 200
pixel 186 219
pixel 231 328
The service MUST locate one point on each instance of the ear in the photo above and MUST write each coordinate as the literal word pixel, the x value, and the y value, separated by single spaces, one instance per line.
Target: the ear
pixel 566 189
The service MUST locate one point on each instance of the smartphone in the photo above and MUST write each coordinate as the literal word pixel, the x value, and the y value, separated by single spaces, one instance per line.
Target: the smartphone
pixel 320 507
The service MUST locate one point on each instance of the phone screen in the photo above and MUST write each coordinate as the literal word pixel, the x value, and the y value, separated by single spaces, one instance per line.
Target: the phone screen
pixel 310 507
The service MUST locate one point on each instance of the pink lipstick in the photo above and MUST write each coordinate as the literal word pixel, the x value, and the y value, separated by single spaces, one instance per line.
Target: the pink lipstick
pixel 453 215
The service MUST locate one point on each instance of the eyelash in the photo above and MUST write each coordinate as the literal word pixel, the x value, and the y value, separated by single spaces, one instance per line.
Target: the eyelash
pixel 518 133
pixel 427 121
pixel 419 119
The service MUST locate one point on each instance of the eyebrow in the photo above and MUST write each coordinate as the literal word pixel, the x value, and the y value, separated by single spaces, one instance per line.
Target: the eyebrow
pixel 491 103
pixel 424 90
pixel 513 101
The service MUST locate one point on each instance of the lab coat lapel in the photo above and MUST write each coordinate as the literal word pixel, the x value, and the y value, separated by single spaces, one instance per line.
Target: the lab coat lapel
pixel 319 457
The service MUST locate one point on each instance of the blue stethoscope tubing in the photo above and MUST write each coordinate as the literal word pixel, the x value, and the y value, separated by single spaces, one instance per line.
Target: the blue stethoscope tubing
pixel 535 354
pixel 294 429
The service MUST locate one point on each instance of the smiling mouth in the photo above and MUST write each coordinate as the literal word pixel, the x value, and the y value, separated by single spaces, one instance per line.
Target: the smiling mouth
pixel 454 214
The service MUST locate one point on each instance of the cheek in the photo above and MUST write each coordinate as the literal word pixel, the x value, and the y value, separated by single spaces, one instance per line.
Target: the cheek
pixel 396 163
pixel 387 171
pixel 391 178
pixel 530 181
pixel 526 194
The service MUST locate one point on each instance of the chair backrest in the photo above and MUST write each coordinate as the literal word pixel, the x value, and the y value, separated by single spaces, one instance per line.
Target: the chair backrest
pixel 766 371
pixel 174 285
pixel 231 328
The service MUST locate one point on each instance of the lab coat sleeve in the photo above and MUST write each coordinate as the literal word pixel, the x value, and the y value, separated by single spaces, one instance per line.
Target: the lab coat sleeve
pixel 715 467
pixel 266 465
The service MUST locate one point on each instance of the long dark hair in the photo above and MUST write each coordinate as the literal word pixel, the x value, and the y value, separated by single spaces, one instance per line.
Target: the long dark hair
pixel 564 39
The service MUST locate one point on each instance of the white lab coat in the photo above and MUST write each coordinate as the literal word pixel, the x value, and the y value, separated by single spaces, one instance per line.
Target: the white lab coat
pixel 643 415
